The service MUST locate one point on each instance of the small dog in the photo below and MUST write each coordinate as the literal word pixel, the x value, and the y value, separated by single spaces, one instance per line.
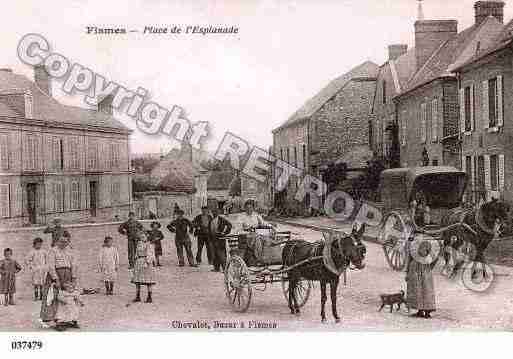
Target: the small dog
pixel 391 299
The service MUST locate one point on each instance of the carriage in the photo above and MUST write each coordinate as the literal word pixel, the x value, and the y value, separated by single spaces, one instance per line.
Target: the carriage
pixel 246 272
pixel 440 188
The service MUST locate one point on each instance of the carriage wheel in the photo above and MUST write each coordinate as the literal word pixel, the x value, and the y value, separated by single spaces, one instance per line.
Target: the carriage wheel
pixel 394 235
pixel 237 284
pixel 302 291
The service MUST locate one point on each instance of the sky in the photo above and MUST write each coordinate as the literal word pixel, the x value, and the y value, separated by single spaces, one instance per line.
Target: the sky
pixel 248 83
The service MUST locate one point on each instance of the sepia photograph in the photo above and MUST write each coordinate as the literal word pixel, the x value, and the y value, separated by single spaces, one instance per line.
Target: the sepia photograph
pixel 293 167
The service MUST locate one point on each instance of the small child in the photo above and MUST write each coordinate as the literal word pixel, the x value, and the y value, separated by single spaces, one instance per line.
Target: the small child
pixel 37 263
pixel 155 237
pixel 108 264
pixel 68 309
pixel 8 270
pixel 144 272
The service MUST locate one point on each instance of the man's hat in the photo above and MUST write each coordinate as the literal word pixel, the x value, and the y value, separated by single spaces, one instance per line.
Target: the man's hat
pixel 155 224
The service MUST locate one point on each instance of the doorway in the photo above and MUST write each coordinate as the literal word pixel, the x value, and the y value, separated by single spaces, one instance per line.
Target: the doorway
pixel 32 202
pixel 93 197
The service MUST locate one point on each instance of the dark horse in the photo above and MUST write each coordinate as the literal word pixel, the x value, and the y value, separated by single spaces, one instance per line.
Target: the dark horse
pixel 315 262
pixel 478 229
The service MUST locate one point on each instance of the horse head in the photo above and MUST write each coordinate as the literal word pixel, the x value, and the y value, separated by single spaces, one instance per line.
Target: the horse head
pixel 494 214
pixel 349 249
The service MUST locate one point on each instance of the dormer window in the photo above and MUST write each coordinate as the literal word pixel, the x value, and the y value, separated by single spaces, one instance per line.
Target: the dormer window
pixel 28 105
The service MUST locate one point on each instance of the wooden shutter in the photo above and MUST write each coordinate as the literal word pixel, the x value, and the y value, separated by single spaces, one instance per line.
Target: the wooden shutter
pixel 500 108
pixel 55 153
pixel 501 173
pixel 486 110
pixel 4 151
pixel 4 201
pixel 464 163
pixel 488 182
pixel 404 130
pixel 473 173
pixel 434 120
pixel 472 110
pixel 423 123
pixel 462 110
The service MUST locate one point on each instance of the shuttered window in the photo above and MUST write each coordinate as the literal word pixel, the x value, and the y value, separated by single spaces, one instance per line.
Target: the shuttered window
pixel 434 120
pixel 495 111
pixel 75 195
pixel 115 192
pixel 494 173
pixel 57 153
pixel 32 152
pixel 468 109
pixel 74 156
pixel 501 172
pixel 4 151
pixel 423 123
pixel 58 196
pixel 5 208
pixel 114 155
pixel 92 154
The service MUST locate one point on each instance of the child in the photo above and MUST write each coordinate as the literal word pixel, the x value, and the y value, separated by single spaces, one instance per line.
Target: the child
pixel 68 309
pixel 8 270
pixel 144 272
pixel 182 226
pixel 37 263
pixel 155 237
pixel 108 264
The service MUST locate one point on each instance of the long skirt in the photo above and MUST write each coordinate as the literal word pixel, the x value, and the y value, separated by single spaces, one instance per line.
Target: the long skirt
pixel 420 287
pixel 8 283
pixel 48 312
pixel 143 272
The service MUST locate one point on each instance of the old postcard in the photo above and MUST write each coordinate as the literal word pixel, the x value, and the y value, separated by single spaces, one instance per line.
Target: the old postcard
pixel 255 166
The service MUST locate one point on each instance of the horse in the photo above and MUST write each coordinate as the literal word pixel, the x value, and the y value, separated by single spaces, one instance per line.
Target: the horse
pixel 324 262
pixel 478 229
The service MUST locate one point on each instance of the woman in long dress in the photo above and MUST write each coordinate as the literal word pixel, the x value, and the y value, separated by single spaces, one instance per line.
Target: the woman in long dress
pixel 419 278
pixel 62 269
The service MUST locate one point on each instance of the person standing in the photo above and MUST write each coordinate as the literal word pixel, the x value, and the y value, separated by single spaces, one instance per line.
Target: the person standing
pixel 57 231
pixel 144 272
pixel 181 227
pixel 37 264
pixel 62 269
pixel 8 270
pixel 155 237
pixel 218 227
pixel 108 265
pixel 201 232
pixel 420 292
pixel 131 228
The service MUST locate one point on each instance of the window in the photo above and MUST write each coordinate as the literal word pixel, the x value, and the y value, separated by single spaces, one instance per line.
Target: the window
pixel 423 109
pixel 115 192
pixel 384 92
pixel 295 156
pixel 468 109
pixel 371 134
pixel 434 120
pixel 58 197
pixel 481 173
pixel 494 173
pixel 4 201
pixel 32 151
pixel 493 102
pixel 281 153
pixel 28 106
pixel 435 162
pixel 74 154
pixel 4 151
pixel 114 155
pixel 304 156
pixel 288 155
pixel 92 154
pixel 404 129
pixel 75 195
pixel 57 154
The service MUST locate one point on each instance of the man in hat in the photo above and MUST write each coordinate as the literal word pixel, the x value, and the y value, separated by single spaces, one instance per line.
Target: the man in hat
pixel 57 231
pixel 181 227
pixel 202 234
pixel 130 228
pixel 218 228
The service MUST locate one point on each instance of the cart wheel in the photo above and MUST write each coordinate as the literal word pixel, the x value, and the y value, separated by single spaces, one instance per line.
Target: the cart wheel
pixel 302 290
pixel 237 284
pixel 394 235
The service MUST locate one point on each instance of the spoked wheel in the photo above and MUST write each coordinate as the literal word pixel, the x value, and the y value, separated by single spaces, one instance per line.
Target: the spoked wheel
pixel 394 235
pixel 238 284
pixel 302 291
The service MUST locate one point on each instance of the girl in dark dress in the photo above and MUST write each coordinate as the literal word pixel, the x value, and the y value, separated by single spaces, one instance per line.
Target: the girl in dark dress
pixel 8 270
pixel 155 237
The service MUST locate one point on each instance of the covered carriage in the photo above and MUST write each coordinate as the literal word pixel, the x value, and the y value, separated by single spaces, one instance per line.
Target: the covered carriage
pixel 419 200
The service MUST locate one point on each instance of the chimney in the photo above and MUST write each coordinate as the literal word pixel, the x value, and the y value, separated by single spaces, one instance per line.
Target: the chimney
pixel 483 9
pixel 430 35
pixel 42 79
pixel 396 50
pixel 105 105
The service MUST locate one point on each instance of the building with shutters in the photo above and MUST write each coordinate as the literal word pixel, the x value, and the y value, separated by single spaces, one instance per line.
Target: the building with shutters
pixel 56 160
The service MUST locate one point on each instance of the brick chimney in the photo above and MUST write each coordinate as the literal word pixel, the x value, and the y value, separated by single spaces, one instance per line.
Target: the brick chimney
pixel 105 105
pixel 42 79
pixel 396 50
pixel 483 9
pixel 430 35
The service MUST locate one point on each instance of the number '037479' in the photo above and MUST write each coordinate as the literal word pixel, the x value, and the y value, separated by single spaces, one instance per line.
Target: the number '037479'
pixel 26 345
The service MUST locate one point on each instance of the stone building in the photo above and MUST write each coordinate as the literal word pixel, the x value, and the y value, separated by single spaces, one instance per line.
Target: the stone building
pixel 57 160
pixel 327 126
pixel 485 131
